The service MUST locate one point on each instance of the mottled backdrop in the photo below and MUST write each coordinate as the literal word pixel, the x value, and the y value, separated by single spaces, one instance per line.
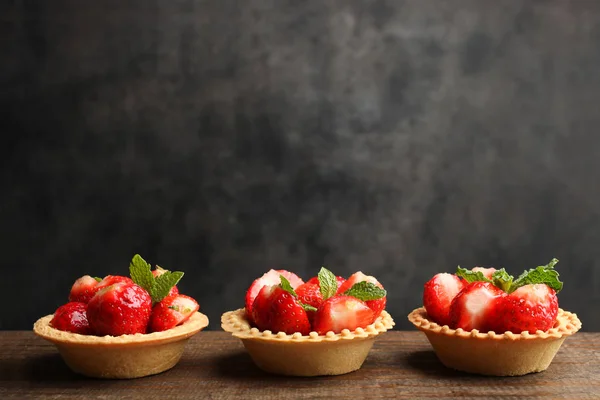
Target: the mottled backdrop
pixel 224 138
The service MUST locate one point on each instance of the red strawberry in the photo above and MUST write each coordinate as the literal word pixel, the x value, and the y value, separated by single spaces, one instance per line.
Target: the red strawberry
pixel 72 317
pixel 310 293
pixel 83 289
pixel 111 280
pixel 376 305
pixel 315 280
pixel 120 309
pixel 158 272
pixel 487 272
pixel 474 305
pixel 342 312
pixel 529 308
pixel 171 311
pixel 438 294
pixel 279 311
pixel 269 278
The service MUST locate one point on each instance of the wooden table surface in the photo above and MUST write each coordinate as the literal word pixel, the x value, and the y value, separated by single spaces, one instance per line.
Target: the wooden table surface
pixel 216 366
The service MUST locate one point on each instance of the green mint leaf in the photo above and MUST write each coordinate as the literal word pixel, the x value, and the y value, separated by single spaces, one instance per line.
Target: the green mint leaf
pixel 327 282
pixel 287 286
pixel 543 274
pixel 471 276
pixel 502 279
pixel 98 279
pixel 140 273
pixel 163 285
pixel 365 291
pixel 307 307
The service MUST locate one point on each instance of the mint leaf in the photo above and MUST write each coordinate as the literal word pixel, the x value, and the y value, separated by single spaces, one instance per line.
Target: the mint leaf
pixel 327 283
pixel 543 274
pixel 471 276
pixel 163 284
pixel 98 279
pixel 287 286
pixel 365 291
pixel 140 273
pixel 502 279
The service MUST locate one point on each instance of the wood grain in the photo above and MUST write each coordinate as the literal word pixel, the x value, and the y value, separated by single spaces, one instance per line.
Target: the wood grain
pixel 216 366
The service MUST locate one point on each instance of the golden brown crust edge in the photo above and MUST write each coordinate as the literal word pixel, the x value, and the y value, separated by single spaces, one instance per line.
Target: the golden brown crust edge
pixel 236 323
pixel 566 324
pixel 193 325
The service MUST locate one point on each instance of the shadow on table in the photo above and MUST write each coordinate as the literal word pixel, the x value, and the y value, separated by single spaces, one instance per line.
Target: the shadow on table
pixel 427 362
pixel 36 368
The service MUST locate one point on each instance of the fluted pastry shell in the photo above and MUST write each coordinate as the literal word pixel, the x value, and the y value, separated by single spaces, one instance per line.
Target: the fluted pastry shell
pixel 306 355
pixel 125 356
pixel 496 354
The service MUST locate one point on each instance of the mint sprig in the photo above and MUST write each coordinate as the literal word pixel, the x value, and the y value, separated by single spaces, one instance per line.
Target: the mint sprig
pixel 327 283
pixel 287 286
pixel 545 274
pixel 366 291
pixel 159 287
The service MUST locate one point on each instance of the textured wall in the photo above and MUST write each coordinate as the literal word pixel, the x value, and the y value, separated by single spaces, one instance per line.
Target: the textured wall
pixel 224 138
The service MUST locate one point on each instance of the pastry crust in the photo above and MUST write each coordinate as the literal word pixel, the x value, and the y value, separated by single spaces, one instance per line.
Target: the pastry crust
pixel 121 357
pixel 497 354
pixel 308 355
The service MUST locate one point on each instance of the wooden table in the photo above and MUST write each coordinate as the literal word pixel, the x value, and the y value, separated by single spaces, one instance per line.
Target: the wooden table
pixel 216 366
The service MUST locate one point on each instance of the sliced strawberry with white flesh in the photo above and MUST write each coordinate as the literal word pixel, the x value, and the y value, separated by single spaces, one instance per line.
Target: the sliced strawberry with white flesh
pixel 83 289
pixel 342 312
pixel 376 305
pixel 487 272
pixel 438 294
pixel 268 279
pixel 474 305
pixel 172 311
pixel 261 308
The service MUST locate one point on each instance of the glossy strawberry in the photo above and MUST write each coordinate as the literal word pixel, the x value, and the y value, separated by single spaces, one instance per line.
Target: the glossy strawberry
pixel 279 311
pixel 342 312
pixel 171 311
pixel 310 294
pixel 272 277
pixel 474 306
pixel 376 305
pixel 111 280
pixel 528 309
pixel 487 272
pixel 160 271
pixel 438 294
pixel 72 317
pixel 83 289
pixel 315 280
pixel 120 309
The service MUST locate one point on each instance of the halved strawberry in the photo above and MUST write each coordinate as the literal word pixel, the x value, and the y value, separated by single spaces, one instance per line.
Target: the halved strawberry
pixel 529 308
pixel 83 289
pixel 342 312
pixel 376 305
pixel 171 311
pixel 315 280
pixel 269 278
pixel 438 294
pixel 277 310
pixel 119 309
pixel 160 271
pixel 72 317
pixel 487 272
pixel 474 305
pixel 261 308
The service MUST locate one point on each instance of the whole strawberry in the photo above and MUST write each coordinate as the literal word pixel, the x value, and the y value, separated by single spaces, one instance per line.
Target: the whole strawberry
pixel 72 317
pixel 287 314
pixel 120 309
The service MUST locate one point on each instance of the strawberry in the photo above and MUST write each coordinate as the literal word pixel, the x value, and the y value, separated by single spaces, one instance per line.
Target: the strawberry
pixel 171 311
pixel 120 309
pixel 315 280
pixel 277 310
pixel 342 312
pixel 72 317
pixel 438 294
pixel 269 278
pixel 310 293
pixel 474 305
pixel 111 280
pixel 487 272
pixel 528 309
pixel 161 271
pixel 376 305
pixel 83 289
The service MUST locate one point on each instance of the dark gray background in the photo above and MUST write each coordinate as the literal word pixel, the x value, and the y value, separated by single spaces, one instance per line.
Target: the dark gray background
pixel 225 138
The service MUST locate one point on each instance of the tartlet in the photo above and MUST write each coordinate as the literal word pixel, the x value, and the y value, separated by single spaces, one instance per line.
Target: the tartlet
pixel 496 354
pixel 306 355
pixel 121 357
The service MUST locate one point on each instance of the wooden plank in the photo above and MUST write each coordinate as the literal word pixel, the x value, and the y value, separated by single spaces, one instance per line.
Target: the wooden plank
pixel 216 366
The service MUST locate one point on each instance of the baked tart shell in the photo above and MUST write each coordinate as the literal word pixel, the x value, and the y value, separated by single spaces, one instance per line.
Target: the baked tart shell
pixel 308 355
pixel 121 357
pixel 496 354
